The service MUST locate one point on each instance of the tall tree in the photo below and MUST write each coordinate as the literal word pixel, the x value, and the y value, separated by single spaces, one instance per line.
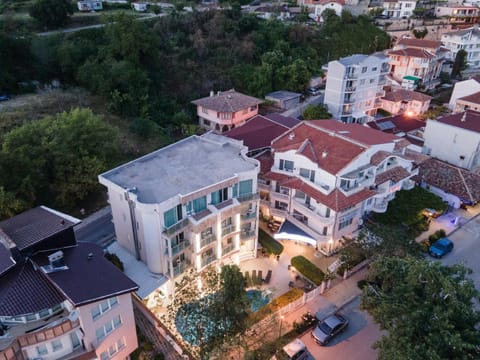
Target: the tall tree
pixel 51 13
pixel 460 62
pixel 316 112
pixel 426 309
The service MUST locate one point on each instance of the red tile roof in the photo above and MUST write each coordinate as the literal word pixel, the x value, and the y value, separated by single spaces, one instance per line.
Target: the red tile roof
pixel 420 43
pixel 454 180
pixel 266 161
pixel 473 98
pixel 469 120
pixel 257 133
pixel 354 132
pixel 336 200
pixel 327 149
pixel 379 156
pixel 412 52
pixel 227 101
pixel 406 95
pixel 395 174
pixel 399 123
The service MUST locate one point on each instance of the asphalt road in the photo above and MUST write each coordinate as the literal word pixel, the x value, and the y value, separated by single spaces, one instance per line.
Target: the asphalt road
pixel 354 343
pixel 98 230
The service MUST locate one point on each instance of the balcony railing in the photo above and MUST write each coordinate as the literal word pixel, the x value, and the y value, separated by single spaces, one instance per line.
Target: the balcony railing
pixel 176 227
pixel 179 247
pixel 279 195
pixel 48 333
pixel 350 89
pixel 408 185
pixel 249 215
pixel 228 249
pixel 228 229
pixel 247 234
pixel 208 260
pixel 351 75
pixel 180 268
pixel 278 212
pixel 247 197
pixel 380 207
pixel 204 241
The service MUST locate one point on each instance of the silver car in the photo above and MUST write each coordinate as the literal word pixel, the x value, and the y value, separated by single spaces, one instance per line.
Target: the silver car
pixel 327 329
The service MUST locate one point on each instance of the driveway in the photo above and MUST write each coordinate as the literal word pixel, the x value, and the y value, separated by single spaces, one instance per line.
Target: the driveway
pixel 353 344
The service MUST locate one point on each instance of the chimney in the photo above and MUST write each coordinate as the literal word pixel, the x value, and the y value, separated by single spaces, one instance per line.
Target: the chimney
pixel 212 93
pixel 324 154
pixel 56 260
pixel 291 136
pixel 464 117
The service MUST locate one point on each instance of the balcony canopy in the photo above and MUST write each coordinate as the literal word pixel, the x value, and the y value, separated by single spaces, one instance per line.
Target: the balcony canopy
pixel 289 231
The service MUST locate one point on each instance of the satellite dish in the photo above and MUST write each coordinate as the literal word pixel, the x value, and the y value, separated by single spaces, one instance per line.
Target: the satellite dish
pixel 73 316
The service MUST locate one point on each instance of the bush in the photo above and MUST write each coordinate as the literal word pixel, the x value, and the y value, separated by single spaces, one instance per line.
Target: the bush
pixel 270 244
pixel 436 235
pixel 308 269
pixel 362 283
pixel 276 304
pixel 115 260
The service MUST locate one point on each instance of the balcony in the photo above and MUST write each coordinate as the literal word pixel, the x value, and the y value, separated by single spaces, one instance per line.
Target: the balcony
pixel 179 247
pixel 350 88
pixel 282 196
pixel 180 268
pixel 307 229
pixel 250 215
pixel 408 184
pixel 351 75
pixel 348 100
pixel 228 248
pixel 228 229
pixel 208 260
pixel 282 212
pixel 48 332
pixel 310 211
pixel 176 227
pixel 247 234
pixel 248 197
pixel 264 187
pixel 204 241
pixel 380 207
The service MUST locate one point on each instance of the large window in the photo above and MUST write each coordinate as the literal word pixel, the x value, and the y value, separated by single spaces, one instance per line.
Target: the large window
pixel 108 327
pixel 307 174
pixel 197 205
pixel 113 349
pixel 286 165
pixel 172 216
pixel 245 187
pixel 103 307
pixel 57 345
pixel 219 196
pixel 42 350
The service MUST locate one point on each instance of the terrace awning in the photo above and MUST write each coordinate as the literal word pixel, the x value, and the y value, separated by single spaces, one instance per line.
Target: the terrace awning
pixel 289 231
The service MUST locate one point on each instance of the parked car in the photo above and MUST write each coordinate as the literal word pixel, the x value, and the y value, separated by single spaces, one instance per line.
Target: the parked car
pixel 313 91
pixel 4 97
pixel 441 247
pixel 295 350
pixel 327 329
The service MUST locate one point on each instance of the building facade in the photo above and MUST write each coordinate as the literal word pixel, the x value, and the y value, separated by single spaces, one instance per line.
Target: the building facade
pixel 354 87
pixel 458 14
pixel 190 205
pixel 468 40
pixel 398 9
pixel 225 110
pixel 455 139
pixel 418 58
pixel 60 304
pixel 407 102
pixel 326 176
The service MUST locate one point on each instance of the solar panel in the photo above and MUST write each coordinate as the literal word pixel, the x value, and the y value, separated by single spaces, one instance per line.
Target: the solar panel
pixel 386 125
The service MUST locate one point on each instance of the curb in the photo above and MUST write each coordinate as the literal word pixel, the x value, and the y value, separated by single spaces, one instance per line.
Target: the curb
pixel 460 226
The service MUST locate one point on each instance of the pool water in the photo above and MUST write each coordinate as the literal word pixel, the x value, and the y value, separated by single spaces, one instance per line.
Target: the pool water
pixel 257 299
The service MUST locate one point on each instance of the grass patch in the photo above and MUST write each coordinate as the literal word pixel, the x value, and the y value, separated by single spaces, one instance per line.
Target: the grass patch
pixel 271 245
pixel 308 269
pixel 276 304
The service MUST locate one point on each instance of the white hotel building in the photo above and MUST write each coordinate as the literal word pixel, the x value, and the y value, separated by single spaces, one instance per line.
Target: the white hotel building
pixel 354 87
pixel 191 204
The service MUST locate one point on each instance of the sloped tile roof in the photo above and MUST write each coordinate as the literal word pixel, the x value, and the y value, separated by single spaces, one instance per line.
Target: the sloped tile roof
pixel 395 174
pixel 412 52
pixel 6 261
pixel 379 156
pixel 283 120
pixel 399 123
pixel 473 98
pixel 454 180
pixel 227 101
pixel 469 120
pixel 266 161
pixel 420 43
pixel 406 95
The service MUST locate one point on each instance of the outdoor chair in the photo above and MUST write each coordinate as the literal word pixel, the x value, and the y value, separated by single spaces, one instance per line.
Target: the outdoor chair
pixel 269 275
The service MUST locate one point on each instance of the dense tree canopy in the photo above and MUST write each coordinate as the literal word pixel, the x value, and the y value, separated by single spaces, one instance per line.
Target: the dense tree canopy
pixel 316 112
pixel 55 160
pixel 426 309
pixel 51 13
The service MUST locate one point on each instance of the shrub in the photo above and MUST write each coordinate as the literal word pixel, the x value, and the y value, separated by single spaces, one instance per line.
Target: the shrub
pixel 362 283
pixel 115 260
pixel 270 244
pixel 308 269
pixel 276 304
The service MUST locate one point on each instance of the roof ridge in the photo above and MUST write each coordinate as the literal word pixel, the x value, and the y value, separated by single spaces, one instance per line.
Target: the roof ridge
pixel 465 184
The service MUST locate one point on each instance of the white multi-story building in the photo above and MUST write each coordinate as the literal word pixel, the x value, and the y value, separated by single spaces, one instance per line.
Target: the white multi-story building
pixel 60 299
pixel 398 9
pixel 457 13
pixel 466 39
pixel 462 89
pixel 326 176
pixel 191 204
pixel 355 85
pixel 418 58
pixel 225 110
pixel 455 139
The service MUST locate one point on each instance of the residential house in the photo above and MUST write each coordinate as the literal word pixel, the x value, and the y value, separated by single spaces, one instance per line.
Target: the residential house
pixel 466 39
pixel 322 5
pixel 455 185
pixel 60 299
pixel 258 133
pixel 355 85
pixel 139 6
pixel 458 14
pixel 189 205
pixel 410 103
pixel 455 139
pixel 225 110
pixel 470 102
pixel 89 5
pixel 284 99
pixel 323 176
pixel 462 89
pixel 398 9
pixel 422 59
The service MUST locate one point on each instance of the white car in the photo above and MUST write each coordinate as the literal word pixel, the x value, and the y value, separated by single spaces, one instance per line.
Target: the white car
pixel 296 350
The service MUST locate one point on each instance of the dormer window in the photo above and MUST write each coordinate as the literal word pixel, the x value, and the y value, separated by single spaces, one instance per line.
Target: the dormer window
pixel 286 165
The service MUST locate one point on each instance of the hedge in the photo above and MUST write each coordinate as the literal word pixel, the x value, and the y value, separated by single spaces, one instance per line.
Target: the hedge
pixel 308 269
pixel 271 245
pixel 277 303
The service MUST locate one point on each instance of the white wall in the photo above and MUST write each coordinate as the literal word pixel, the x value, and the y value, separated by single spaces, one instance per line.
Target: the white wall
pixel 461 89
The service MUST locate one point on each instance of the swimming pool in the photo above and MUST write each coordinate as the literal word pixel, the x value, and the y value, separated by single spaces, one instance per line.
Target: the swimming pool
pixel 257 299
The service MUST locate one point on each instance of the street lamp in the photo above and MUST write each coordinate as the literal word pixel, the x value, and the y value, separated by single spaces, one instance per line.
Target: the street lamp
pixel 281 322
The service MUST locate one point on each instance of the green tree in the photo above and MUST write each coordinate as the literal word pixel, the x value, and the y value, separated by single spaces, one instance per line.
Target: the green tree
pixel 460 62
pixel 425 308
pixel 420 34
pixel 51 13
pixel 316 112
